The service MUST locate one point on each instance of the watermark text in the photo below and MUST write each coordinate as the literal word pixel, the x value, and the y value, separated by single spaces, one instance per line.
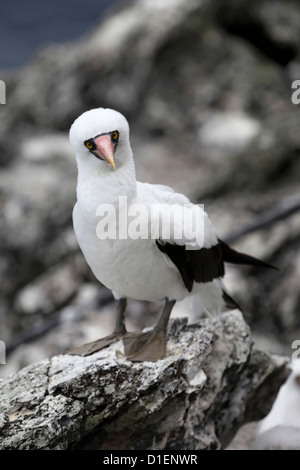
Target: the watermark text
pixel 2 352
pixel 2 92
pixel 296 354
pixel 296 94
pixel 169 222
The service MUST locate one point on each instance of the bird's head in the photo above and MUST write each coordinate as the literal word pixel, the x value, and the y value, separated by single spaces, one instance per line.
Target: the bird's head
pixel 97 135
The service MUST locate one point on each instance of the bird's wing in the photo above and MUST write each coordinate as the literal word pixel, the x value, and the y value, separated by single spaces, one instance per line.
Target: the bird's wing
pixel 184 235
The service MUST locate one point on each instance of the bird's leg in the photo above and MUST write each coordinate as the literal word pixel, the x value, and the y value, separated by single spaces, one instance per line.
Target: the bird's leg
pixel 152 345
pixel 119 331
pixel 120 328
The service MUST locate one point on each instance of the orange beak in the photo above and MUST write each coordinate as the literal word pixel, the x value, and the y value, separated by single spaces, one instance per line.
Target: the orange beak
pixel 105 149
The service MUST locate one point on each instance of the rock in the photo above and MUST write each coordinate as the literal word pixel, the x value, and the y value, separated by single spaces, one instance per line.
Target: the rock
pixel 88 315
pixel 49 292
pixel 224 134
pixel 210 383
pixel 37 196
pixel 272 30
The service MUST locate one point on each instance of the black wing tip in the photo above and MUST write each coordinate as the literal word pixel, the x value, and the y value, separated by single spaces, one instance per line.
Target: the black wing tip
pixel 272 266
pixel 232 256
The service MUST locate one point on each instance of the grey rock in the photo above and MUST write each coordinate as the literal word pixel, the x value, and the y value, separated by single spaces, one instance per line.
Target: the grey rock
pixel 210 383
pixel 51 290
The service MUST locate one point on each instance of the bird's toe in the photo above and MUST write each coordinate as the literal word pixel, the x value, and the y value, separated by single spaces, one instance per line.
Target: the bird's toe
pixel 93 347
pixel 150 346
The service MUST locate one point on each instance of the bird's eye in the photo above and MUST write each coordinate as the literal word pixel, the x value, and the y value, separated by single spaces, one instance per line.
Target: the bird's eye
pixel 89 145
pixel 115 136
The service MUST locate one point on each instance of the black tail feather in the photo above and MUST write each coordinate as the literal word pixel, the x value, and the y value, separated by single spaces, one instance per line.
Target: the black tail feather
pixel 232 256
pixel 230 302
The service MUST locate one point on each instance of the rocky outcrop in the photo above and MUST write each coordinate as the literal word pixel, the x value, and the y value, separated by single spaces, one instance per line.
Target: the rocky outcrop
pixel 210 383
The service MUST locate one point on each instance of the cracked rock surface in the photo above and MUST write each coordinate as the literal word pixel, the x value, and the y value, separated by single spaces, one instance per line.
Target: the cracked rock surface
pixel 211 382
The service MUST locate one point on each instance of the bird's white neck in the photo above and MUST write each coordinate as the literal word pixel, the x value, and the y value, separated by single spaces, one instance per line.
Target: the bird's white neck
pixel 99 183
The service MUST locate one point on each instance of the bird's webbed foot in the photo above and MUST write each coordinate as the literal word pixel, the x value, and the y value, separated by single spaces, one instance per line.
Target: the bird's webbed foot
pixel 148 346
pixel 95 346
pixel 151 345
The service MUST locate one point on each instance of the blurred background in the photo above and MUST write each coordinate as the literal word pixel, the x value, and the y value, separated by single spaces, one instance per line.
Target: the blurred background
pixel 206 88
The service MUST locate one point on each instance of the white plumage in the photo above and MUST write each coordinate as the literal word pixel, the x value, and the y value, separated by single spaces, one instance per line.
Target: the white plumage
pixel 131 268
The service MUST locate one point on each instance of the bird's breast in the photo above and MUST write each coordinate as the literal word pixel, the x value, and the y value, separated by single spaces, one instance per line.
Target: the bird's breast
pixel 131 267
